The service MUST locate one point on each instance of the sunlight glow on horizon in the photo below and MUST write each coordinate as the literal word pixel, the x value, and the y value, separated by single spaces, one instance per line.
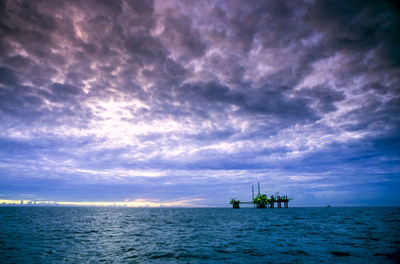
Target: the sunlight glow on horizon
pixel 127 203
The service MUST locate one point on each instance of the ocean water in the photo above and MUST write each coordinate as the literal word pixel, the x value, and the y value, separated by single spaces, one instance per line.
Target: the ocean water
pixel 199 235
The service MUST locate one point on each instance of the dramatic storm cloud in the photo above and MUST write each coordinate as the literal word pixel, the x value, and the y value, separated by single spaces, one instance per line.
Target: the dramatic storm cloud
pixel 191 102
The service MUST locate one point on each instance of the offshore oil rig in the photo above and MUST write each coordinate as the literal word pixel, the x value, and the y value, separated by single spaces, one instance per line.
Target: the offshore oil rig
pixel 262 200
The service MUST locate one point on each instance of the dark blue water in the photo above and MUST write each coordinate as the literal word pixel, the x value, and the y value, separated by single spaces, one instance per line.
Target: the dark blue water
pixel 224 235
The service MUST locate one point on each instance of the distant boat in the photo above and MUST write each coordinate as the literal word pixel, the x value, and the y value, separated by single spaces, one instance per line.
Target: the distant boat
pixel 329 205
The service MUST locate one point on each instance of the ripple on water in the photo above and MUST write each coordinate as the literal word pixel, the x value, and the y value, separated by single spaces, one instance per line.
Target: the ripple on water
pixel 296 253
pixel 340 253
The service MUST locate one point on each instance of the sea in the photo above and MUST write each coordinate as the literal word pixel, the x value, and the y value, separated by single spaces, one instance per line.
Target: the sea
pixel 30 234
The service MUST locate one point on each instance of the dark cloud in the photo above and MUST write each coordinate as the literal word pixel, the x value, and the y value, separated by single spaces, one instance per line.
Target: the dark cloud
pixel 180 35
pixel 325 97
pixel 359 27
pixel 8 77
pixel 144 49
pixel 142 7
pixel 62 92
pixel 268 100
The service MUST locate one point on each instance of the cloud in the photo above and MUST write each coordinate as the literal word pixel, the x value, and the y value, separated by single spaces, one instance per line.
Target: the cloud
pixel 181 100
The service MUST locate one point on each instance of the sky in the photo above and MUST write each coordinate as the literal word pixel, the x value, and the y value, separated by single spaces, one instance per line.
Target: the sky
pixel 190 103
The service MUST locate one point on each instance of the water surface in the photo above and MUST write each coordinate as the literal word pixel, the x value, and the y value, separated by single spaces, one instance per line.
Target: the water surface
pixel 199 235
